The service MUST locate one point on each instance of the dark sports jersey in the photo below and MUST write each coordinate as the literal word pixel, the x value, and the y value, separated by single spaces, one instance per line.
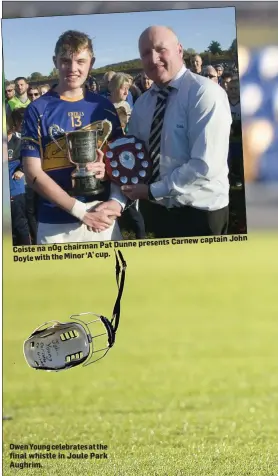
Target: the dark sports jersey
pixel 17 186
pixel 46 121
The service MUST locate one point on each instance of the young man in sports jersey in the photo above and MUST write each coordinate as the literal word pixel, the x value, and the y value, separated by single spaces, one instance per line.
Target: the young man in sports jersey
pixel 69 106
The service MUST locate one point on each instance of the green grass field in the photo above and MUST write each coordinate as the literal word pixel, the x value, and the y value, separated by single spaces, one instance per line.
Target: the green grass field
pixel 191 387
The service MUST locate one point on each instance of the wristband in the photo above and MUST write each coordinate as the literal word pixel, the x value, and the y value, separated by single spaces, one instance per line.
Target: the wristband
pixel 78 210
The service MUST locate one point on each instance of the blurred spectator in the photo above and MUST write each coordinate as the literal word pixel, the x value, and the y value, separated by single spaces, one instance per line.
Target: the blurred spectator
pixel 105 91
pixel 33 93
pixel 196 64
pixel 44 88
pixel 9 91
pixel 20 228
pixel 143 82
pixel 220 70
pixel 20 99
pixel 9 94
pixel 210 72
pixel 105 82
pixel 130 79
pixel 226 78
pixel 134 90
pixel 17 116
pixel 119 88
pixel 234 98
pixel 93 85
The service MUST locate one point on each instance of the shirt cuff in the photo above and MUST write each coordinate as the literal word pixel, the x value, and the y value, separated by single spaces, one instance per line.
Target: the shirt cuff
pixel 117 195
pixel 159 190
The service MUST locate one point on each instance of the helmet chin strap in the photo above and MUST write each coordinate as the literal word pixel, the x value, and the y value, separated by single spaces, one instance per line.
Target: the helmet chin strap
pixel 112 326
pixel 120 278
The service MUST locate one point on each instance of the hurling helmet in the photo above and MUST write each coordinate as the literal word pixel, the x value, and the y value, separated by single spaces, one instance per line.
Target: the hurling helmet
pixel 56 346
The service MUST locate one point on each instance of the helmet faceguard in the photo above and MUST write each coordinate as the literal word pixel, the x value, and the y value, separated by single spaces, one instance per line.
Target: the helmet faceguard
pixel 55 346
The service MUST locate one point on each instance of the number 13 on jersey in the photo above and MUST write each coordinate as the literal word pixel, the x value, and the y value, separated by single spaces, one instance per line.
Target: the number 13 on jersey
pixel 76 120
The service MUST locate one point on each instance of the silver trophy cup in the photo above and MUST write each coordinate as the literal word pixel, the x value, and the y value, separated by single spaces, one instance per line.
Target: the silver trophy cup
pixel 81 148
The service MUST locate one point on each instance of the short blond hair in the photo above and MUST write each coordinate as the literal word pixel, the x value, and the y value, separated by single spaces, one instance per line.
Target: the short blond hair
pixel 45 86
pixel 117 81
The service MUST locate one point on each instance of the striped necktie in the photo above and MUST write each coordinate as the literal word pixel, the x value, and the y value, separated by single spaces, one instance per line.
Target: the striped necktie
pixel 156 129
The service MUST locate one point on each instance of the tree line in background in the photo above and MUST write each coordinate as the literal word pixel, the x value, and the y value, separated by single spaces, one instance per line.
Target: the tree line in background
pixel 213 53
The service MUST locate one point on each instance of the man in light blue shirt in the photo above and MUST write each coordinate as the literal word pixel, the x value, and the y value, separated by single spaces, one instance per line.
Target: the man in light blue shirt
pixel 190 197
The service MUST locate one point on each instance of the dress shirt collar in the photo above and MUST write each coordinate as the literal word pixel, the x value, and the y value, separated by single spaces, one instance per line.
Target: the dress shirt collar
pixel 174 83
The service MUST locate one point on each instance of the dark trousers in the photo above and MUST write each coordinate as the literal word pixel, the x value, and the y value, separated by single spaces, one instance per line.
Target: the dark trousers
pixel 132 220
pixel 20 228
pixel 184 221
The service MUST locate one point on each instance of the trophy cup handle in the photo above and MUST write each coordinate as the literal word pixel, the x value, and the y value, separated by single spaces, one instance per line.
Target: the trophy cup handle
pixel 109 130
pixel 69 146
pixel 52 128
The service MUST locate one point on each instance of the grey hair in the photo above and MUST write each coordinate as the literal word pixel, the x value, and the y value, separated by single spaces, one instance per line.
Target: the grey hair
pixel 117 81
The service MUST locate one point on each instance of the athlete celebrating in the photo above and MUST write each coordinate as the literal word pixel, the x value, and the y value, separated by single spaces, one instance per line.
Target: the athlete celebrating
pixel 69 106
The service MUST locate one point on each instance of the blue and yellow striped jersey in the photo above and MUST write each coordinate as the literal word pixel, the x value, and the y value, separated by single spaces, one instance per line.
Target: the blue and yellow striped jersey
pixel 43 137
